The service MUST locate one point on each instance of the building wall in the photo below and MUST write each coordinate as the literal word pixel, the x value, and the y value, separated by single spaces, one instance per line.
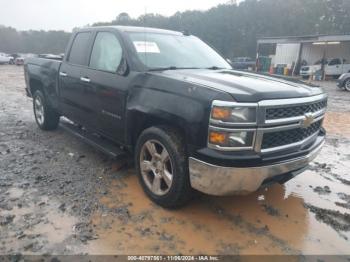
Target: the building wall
pixel 286 54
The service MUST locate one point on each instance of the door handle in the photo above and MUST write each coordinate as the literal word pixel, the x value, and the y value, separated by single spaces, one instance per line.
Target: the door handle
pixel 85 79
pixel 63 74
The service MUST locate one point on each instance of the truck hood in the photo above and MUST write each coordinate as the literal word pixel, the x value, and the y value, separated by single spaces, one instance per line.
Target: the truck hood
pixel 245 86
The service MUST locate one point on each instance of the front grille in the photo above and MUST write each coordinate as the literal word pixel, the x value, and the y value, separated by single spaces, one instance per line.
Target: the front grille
pixel 292 111
pixel 281 138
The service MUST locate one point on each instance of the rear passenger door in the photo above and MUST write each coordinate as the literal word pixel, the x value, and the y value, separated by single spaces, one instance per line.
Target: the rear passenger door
pixel 109 83
pixel 75 99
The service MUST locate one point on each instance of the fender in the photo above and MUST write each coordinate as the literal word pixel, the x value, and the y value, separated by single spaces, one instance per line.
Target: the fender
pixel 156 99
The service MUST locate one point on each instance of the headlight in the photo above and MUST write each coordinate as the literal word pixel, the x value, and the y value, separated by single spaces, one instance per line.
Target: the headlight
pixel 236 114
pixel 231 139
pixel 224 115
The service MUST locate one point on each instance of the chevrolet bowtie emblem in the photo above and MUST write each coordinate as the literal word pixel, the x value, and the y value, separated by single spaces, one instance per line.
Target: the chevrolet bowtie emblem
pixel 307 121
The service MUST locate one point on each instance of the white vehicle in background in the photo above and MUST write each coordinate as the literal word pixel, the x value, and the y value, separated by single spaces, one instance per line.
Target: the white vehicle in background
pixel 5 59
pixel 333 67
pixel 337 67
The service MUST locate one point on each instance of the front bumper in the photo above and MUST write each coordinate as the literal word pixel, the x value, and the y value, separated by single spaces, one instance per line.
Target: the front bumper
pixel 220 181
pixel 305 73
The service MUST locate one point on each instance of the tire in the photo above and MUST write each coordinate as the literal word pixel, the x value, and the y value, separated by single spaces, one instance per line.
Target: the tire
pixel 347 84
pixel 45 116
pixel 168 185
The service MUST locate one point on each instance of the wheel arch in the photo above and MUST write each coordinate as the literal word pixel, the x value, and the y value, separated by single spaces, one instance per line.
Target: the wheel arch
pixel 34 85
pixel 140 121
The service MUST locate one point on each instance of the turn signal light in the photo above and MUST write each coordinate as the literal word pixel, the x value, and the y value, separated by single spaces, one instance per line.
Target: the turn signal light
pixel 217 137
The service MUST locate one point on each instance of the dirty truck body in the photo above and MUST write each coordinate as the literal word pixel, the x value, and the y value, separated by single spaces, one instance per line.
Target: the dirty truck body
pixel 175 104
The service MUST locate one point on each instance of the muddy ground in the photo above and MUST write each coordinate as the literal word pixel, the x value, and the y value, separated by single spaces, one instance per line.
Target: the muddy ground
pixel 60 196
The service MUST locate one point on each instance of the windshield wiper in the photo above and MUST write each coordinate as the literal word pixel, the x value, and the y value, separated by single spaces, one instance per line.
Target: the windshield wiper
pixel 170 68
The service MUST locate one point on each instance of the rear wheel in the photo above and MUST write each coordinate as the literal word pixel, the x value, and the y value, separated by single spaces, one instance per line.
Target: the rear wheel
pixel 347 84
pixel 45 116
pixel 161 164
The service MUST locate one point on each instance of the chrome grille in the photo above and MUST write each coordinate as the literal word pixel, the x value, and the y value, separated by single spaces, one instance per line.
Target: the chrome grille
pixel 293 111
pixel 282 138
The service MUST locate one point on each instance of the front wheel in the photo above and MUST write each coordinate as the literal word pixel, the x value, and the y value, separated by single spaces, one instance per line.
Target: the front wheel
pixel 347 84
pixel 45 116
pixel 162 167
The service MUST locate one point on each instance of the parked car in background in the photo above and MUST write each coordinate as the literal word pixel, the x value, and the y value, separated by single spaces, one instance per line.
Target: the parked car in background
pixel 332 67
pixel 337 67
pixel 19 61
pixel 344 81
pixel 5 58
pixel 14 56
pixel 307 70
pixel 243 63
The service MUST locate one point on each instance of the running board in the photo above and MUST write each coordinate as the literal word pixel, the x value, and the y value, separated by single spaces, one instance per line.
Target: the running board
pixel 105 146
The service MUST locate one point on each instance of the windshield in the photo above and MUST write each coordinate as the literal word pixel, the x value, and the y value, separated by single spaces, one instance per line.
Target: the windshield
pixel 175 51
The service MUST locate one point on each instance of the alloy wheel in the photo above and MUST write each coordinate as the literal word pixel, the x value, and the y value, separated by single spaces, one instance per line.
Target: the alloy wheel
pixel 39 110
pixel 347 85
pixel 156 167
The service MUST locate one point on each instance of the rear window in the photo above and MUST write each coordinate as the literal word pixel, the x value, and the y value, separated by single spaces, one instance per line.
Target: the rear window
pixel 79 51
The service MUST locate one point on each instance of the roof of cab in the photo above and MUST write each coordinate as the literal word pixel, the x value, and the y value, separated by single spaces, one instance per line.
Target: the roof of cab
pixel 134 29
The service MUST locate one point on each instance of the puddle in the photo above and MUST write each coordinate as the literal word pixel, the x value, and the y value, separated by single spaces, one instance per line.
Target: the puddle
pixel 37 226
pixel 338 123
pixel 307 215
pixel 283 219
pixel 278 224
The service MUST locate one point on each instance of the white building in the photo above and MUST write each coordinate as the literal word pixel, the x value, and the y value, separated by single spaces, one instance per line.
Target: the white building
pixel 291 51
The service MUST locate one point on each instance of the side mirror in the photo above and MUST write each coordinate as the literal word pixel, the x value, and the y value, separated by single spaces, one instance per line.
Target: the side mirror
pixel 123 68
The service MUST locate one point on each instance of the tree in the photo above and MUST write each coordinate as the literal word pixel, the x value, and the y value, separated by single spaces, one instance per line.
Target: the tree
pixel 232 29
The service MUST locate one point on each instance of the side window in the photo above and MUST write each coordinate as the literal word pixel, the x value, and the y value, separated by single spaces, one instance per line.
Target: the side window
pixel 106 53
pixel 79 50
pixel 335 62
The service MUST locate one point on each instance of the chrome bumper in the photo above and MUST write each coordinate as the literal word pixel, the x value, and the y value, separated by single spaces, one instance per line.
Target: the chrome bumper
pixel 221 181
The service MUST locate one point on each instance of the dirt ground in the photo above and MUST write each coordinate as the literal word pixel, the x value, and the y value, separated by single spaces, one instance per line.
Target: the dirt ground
pixel 60 196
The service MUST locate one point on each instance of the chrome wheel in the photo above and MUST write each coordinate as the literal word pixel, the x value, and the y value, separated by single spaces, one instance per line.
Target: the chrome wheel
pixel 156 167
pixel 39 110
pixel 347 85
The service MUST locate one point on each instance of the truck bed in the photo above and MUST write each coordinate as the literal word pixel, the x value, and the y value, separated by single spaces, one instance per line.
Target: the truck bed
pixel 43 71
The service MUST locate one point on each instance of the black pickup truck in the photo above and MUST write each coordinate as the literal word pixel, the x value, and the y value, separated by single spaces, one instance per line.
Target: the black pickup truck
pixel 176 105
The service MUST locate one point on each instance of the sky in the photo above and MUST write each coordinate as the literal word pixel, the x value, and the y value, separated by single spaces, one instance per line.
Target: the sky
pixel 67 14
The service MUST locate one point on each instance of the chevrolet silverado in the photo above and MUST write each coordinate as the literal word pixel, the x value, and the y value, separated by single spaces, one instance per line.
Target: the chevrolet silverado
pixel 190 121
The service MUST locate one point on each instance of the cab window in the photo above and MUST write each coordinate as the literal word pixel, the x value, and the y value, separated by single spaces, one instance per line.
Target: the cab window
pixel 335 62
pixel 106 53
pixel 79 50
